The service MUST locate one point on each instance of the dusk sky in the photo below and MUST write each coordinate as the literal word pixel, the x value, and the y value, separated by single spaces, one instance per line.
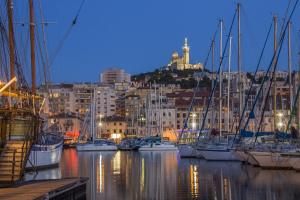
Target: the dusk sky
pixel 140 35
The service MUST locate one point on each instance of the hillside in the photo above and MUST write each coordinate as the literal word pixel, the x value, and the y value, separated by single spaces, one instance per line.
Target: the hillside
pixel 185 78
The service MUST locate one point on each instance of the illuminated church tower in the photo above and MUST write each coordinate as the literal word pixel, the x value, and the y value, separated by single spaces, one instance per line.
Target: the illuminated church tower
pixel 183 62
pixel 186 54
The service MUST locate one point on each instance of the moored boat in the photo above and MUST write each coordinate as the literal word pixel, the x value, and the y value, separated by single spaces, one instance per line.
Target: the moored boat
pixel 187 151
pixel 156 144
pixel 46 152
pixel 218 153
pixel 128 144
pixel 269 159
pixel 294 160
pixel 97 145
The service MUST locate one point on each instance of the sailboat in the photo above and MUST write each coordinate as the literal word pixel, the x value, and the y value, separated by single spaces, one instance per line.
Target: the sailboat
pixel 23 145
pixel 46 152
pixel 218 148
pixel 187 139
pixel 275 154
pixel 95 144
pixel 155 143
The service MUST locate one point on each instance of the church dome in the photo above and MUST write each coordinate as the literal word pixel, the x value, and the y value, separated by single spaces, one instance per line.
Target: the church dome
pixel 175 55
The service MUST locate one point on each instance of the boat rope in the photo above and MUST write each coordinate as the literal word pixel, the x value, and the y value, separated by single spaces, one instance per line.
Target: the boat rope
pixel 215 81
pixel 196 89
pixel 67 33
pixel 252 83
pixel 274 59
pixel 294 110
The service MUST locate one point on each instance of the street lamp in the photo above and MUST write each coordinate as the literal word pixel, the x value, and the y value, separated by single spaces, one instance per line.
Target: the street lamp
pixel 280 123
pixel 100 124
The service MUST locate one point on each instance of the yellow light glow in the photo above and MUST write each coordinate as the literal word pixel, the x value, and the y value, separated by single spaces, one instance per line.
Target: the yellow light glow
pixel 280 124
pixel 115 136
pixel 193 125
pixel 280 114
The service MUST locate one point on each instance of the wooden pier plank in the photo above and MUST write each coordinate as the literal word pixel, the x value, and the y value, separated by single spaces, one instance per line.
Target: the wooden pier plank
pixel 37 189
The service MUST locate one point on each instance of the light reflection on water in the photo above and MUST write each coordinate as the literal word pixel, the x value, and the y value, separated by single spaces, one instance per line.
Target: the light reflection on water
pixel 163 175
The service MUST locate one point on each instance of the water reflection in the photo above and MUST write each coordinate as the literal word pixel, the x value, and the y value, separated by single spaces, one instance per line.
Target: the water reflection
pixel 163 175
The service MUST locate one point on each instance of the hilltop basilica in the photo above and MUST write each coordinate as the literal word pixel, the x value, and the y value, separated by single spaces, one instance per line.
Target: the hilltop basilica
pixel 182 63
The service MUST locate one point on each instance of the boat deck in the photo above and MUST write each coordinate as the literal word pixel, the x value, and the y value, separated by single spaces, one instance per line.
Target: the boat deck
pixel 70 188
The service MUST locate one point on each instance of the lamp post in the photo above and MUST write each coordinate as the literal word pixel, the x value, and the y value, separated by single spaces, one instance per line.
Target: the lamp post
pixel 100 125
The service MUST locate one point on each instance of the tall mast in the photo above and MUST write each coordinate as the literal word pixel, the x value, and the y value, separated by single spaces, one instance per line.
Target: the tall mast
pixel 11 39
pixel 290 66
pixel 220 78
pixel 32 47
pixel 274 83
pixel 298 110
pixel 212 121
pixel 240 86
pixel 228 89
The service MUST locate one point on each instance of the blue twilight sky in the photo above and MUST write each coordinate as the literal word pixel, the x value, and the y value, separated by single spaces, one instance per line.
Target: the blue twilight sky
pixel 140 35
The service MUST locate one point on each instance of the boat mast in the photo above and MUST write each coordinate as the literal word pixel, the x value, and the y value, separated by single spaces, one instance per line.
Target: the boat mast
pixel 298 110
pixel 228 86
pixel 156 113
pixel 240 85
pixel 32 47
pixel 11 39
pixel 274 65
pixel 212 121
pixel 160 111
pixel 290 66
pixel 220 78
pixel 93 116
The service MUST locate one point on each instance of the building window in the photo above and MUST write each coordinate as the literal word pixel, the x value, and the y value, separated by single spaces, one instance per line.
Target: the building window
pixel 120 124
pixel 115 131
pixel 178 115
pixel 120 131
pixel 115 123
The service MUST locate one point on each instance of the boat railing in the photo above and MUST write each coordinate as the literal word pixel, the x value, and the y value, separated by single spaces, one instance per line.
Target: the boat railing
pixel 13 163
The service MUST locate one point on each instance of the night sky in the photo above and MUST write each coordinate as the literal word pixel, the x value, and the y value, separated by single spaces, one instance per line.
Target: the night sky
pixel 140 35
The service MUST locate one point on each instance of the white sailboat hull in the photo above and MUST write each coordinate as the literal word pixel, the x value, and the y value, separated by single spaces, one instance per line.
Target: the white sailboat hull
pixel 158 147
pixel 295 163
pixel 187 151
pixel 96 147
pixel 241 155
pixel 44 156
pixel 245 157
pixel 271 160
pixel 218 154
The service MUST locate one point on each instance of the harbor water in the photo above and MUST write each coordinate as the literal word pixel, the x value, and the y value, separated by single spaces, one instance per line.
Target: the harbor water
pixel 164 175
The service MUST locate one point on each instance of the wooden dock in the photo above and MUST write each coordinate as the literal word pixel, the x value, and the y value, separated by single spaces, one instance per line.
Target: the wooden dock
pixel 69 189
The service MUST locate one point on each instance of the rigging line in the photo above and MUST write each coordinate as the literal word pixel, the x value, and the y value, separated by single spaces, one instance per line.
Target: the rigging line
pixel 41 57
pixel 294 110
pixel 252 83
pixel 215 81
pixel 196 89
pixel 47 70
pixel 285 15
pixel 270 86
pixel 67 33
pixel 47 67
pixel 275 54
pixel 248 30
pixel 5 54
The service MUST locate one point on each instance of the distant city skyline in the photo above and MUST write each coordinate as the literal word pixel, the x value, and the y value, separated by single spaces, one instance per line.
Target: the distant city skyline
pixel 140 36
